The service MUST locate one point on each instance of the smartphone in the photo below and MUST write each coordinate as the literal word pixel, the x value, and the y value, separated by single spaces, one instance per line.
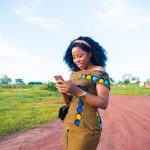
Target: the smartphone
pixel 58 77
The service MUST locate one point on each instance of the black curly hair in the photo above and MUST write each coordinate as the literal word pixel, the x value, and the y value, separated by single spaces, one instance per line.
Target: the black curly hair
pixel 98 53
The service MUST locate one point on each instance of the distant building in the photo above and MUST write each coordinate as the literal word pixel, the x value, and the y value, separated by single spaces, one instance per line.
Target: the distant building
pixel 147 85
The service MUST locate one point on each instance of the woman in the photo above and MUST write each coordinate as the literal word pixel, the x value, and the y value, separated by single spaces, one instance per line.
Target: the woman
pixel 82 125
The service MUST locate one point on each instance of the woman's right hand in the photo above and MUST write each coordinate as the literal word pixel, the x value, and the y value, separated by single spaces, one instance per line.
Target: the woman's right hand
pixel 59 86
pixel 63 87
pixel 68 87
pixel 66 96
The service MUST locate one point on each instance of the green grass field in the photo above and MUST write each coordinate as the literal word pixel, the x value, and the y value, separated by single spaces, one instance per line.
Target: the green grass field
pixel 129 89
pixel 24 108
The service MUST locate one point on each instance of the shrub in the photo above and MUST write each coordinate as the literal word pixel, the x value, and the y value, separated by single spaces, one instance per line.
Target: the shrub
pixel 51 86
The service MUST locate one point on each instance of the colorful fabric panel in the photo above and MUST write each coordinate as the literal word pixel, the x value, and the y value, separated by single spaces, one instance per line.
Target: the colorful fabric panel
pixel 79 111
pixel 99 120
pixel 104 80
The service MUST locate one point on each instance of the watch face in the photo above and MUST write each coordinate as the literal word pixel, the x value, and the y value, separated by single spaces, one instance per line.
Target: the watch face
pixel 82 97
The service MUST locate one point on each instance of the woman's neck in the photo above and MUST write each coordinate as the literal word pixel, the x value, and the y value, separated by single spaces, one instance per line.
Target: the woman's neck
pixel 90 66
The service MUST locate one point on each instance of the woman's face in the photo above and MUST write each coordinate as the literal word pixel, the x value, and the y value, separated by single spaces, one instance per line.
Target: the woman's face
pixel 81 58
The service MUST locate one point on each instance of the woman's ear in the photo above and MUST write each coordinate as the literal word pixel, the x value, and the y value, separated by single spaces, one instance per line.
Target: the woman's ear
pixel 90 54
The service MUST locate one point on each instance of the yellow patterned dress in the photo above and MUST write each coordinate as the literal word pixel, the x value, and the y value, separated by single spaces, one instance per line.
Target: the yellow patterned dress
pixel 82 125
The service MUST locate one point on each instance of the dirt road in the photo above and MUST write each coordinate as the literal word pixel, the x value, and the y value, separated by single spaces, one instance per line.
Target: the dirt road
pixel 126 126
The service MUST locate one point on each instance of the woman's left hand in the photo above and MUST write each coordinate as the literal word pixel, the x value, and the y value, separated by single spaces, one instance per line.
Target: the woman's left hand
pixel 67 87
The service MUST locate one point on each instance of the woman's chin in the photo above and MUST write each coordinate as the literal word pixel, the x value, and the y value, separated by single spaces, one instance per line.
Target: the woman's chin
pixel 81 68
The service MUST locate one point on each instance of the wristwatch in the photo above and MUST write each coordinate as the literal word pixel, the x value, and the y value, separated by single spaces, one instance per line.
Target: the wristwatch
pixel 82 97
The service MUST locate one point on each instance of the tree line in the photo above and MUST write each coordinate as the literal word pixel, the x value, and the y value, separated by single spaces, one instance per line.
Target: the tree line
pixel 126 79
pixel 7 80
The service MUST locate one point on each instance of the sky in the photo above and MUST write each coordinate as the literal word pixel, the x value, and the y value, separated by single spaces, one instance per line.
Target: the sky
pixel 34 35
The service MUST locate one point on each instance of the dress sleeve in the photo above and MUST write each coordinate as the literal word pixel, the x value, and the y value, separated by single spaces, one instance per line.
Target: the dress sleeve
pixel 104 80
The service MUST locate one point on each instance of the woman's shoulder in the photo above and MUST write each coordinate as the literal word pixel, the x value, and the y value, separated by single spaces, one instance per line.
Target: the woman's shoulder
pixel 103 76
pixel 99 68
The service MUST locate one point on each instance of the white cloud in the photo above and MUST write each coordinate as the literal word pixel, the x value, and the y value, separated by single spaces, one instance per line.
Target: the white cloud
pixel 27 8
pixel 15 69
pixel 30 13
pixel 8 51
pixel 44 22
pixel 122 14
pixel 17 63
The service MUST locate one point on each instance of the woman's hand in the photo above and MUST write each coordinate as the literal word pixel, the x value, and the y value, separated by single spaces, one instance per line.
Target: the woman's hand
pixel 67 87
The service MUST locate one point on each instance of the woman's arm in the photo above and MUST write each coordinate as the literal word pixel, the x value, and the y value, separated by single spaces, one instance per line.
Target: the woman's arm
pixel 100 100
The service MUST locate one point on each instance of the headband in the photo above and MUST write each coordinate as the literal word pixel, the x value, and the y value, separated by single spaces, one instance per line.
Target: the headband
pixel 83 42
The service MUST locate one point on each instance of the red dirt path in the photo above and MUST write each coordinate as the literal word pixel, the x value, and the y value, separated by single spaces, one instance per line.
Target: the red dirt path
pixel 126 126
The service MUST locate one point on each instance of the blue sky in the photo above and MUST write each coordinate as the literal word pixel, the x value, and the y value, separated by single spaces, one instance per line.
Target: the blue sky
pixel 34 35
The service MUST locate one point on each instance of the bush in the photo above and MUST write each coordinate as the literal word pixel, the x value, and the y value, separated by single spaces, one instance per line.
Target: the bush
pixel 51 86
pixel 35 83
pixel 5 86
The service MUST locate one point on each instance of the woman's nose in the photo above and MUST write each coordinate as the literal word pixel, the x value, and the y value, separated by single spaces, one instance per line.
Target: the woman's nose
pixel 77 59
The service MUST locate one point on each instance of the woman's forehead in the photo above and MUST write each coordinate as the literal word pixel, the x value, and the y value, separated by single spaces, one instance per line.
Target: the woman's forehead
pixel 76 50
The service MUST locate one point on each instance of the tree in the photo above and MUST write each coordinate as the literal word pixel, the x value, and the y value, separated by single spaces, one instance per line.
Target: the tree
pixel 120 82
pixel 127 78
pixel 5 80
pixel 51 86
pixel 19 81
pixel 35 83
pixel 126 81
pixel 111 80
pixel 135 79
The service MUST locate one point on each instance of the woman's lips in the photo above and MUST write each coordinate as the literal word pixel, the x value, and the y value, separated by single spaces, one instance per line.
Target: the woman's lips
pixel 79 64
